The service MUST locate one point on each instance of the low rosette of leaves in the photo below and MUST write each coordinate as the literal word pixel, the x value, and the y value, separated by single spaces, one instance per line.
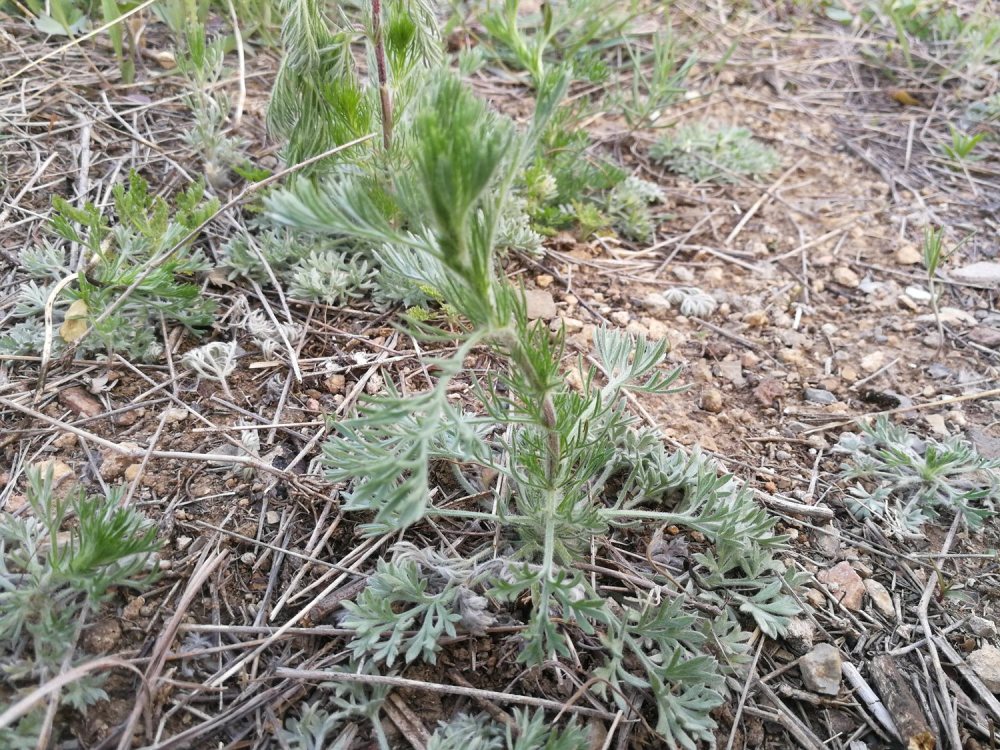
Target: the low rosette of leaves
pixel 115 257
pixel 705 154
pixel 905 481
pixel 529 731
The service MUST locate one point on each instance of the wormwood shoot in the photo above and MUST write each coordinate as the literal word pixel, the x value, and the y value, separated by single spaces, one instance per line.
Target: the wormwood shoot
pixel 576 470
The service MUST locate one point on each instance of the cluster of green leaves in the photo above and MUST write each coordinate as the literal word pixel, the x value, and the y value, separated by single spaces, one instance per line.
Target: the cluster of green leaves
pixel 313 728
pixel 112 259
pixel 962 146
pixel 202 62
pixel 573 31
pixel 576 466
pixel 905 482
pixel 256 18
pixel 953 41
pixel 72 17
pixel 58 564
pixel 309 269
pixel 530 731
pixel 319 100
pixel 705 154
pixel 568 187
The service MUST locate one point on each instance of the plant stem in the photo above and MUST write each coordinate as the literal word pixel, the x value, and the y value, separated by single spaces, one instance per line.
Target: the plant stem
pixel 385 98
pixel 937 313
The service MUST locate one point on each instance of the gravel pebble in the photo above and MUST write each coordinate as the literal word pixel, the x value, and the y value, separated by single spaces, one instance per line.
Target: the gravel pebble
pixel 819 396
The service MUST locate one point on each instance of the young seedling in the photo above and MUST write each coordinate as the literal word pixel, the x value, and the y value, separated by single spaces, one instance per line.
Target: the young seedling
pixel 933 244
pixel 58 564
pixel 909 482
pixel 214 361
pixel 657 81
pixel 962 145
pixel 575 464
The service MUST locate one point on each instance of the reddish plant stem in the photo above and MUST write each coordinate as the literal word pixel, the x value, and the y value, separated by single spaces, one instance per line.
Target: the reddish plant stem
pixel 385 97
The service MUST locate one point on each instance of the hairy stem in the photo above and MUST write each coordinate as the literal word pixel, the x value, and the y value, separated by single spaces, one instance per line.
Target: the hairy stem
pixel 385 97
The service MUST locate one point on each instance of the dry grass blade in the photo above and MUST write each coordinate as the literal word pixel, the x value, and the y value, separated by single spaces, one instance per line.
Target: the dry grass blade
pixel 201 574
pixel 494 695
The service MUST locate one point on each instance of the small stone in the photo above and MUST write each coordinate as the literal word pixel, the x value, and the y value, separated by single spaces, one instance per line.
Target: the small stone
pixel 905 301
pixel 820 669
pixel 714 275
pixel 543 280
pixel 794 357
pixel 571 324
pixel 918 294
pixel 683 274
pixel 799 635
pixel 880 597
pixel 819 396
pixel 712 401
pixel 985 336
pixel 114 463
pixel 849 374
pixel 732 371
pixel 987 445
pixel 539 304
pixel 872 362
pixel 985 662
pixel 768 391
pixel 655 300
pixel 248 558
pixel 937 425
pixel 585 337
pixel 815 598
pixel 984 274
pixel 828 541
pixel 982 628
pixel 174 415
pixel 129 418
pixel 183 542
pixel 657 329
pixel 61 471
pixel 132 472
pixel 846 277
pixel 66 441
pixel 909 255
pixel 272 517
pixel 931 341
pixel 844 584
pixel 756 319
pixel 102 636
pixel 80 402
pixel 335 383
pixel 700 371
pixel 620 317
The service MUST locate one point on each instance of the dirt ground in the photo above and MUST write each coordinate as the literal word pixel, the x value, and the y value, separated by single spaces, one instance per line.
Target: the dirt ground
pixel 820 320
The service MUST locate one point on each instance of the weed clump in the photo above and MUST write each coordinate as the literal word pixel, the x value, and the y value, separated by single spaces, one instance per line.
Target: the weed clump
pixel 85 282
pixel 577 469
pixel 58 564
pixel 706 154
pixel 905 482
